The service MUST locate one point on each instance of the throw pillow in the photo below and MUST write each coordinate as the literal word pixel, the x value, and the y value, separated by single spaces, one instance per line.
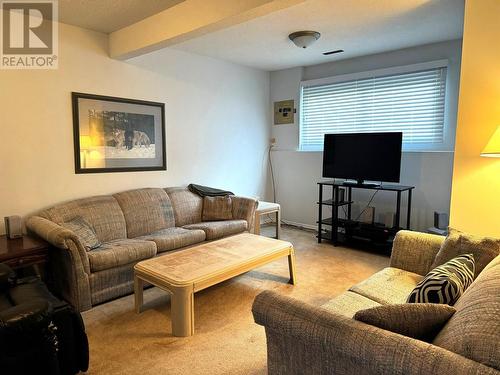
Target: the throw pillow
pixel 217 208
pixel 422 321
pixel 446 283
pixel 484 249
pixel 84 232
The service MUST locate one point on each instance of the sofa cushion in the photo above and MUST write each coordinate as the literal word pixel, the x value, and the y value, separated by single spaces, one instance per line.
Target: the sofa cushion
pixel 174 238
pixel 219 229
pixel 349 303
pixel 421 321
pixel 103 213
pixel 446 283
pixel 388 286
pixel 457 243
pixel 84 232
pixel 473 331
pixel 146 211
pixel 217 208
pixel 120 252
pixel 186 204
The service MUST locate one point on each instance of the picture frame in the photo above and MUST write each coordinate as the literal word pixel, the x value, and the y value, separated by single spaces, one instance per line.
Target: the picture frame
pixel 113 134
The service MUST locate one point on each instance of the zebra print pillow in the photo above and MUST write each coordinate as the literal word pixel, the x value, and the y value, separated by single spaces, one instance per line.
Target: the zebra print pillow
pixel 446 283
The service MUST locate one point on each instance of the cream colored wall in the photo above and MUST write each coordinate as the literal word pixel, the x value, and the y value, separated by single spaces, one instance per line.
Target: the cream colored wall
pixel 216 123
pixel 475 199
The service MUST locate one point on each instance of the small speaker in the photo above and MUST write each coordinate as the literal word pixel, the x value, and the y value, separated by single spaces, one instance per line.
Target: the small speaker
pixel 14 226
pixel 441 220
pixel 388 218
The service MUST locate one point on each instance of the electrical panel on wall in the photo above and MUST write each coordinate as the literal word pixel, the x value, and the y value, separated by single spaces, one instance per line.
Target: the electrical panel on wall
pixel 284 112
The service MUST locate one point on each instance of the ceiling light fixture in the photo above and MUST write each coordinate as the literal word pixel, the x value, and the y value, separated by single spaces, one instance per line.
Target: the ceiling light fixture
pixel 305 38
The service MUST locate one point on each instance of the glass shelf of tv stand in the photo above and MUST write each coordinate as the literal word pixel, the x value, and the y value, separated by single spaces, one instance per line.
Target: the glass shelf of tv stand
pixel 385 187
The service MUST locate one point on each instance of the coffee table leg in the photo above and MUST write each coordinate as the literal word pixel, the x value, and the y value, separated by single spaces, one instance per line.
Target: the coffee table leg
pixel 138 293
pixel 291 266
pixel 182 311
pixel 256 225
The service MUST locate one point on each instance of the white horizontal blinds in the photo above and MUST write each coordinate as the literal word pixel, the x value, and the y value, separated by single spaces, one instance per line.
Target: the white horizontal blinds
pixel 410 102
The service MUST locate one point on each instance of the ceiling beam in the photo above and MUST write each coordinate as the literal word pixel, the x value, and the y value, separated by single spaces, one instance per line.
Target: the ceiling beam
pixel 187 20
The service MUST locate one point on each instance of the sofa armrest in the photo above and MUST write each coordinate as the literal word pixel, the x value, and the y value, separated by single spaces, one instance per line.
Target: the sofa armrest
pixel 244 209
pixel 50 231
pixel 306 339
pixel 69 261
pixel 415 251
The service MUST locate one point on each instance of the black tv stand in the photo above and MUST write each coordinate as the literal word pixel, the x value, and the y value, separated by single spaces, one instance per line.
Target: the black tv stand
pixel 345 230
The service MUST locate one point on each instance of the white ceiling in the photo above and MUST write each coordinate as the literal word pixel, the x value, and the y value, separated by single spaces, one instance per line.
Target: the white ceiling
pixel 109 15
pixel 360 27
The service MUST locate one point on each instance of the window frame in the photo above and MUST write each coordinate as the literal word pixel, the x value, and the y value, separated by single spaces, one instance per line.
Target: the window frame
pixel 448 129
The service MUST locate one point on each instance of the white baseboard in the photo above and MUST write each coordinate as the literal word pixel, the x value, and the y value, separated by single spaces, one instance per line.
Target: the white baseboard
pixel 272 220
pixel 300 225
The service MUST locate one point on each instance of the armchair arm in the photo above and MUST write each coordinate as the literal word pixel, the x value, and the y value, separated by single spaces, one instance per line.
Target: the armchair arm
pixel 244 208
pixel 26 316
pixel 306 339
pixel 415 251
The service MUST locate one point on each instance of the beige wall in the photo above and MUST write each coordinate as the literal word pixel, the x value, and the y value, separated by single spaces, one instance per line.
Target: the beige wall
pixel 216 118
pixel 475 200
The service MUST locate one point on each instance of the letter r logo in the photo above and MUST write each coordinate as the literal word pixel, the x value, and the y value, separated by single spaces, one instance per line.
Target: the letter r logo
pixel 27 28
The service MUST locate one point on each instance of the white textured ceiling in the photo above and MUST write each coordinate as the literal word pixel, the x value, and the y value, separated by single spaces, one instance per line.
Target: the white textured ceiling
pixel 109 15
pixel 360 27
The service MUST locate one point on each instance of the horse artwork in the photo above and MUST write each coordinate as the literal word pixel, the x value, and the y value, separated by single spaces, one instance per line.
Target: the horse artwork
pixel 118 136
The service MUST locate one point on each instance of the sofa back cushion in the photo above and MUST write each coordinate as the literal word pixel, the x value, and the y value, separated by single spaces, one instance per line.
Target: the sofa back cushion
pixel 187 206
pixel 103 213
pixel 484 249
pixel 473 330
pixel 146 211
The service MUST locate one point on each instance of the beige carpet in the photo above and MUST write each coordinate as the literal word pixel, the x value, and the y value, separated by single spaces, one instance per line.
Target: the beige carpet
pixel 226 339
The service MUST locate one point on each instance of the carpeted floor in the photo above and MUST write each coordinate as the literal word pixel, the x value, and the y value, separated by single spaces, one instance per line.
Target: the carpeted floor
pixel 226 339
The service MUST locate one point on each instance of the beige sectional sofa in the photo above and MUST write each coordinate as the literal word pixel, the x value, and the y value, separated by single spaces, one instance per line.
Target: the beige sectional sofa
pixel 305 339
pixel 132 226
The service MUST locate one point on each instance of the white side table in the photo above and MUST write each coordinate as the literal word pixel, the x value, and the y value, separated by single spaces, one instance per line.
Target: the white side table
pixel 265 208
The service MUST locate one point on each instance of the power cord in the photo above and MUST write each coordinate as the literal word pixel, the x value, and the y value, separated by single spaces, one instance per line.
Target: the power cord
pixel 272 173
pixel 272 179
pixel 368 205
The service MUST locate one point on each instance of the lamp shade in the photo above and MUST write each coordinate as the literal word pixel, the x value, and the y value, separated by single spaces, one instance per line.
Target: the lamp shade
pixel 492 149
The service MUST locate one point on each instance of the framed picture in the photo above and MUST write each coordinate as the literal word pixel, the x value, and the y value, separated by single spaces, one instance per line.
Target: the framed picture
pixel 118 135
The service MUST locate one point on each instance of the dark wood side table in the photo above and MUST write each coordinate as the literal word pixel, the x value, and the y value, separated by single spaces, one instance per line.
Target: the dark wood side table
pixel 24 252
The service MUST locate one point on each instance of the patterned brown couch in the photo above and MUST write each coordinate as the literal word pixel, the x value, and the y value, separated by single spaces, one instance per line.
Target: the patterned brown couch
pixel 305 339
pixel 132 226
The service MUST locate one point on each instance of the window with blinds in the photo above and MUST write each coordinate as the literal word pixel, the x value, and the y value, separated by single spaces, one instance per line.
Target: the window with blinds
pixel 410 102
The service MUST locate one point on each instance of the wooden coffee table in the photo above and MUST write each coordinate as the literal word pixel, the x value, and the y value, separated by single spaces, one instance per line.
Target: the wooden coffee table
pixel 185 272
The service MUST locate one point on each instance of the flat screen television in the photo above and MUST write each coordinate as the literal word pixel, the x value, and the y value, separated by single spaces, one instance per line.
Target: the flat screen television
pixel 363 156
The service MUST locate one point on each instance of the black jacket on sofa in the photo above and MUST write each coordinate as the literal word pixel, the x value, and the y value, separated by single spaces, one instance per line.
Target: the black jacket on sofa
pixel 39 334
